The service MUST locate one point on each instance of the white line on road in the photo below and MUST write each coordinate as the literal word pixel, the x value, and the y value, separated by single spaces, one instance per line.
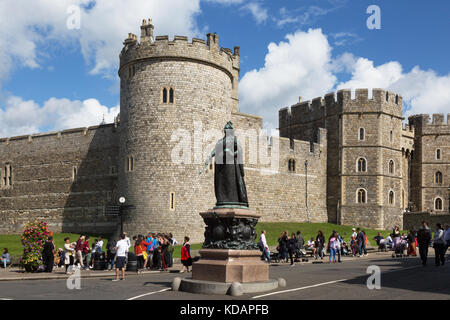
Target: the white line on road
pixel 147 294
pixel 330 282
pixel 302 288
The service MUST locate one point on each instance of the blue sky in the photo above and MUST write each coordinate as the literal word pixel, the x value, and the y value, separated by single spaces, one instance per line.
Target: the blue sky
pixel 53 78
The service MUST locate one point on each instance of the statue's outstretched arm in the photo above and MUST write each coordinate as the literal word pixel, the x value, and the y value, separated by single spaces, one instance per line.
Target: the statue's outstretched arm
pixel 208 160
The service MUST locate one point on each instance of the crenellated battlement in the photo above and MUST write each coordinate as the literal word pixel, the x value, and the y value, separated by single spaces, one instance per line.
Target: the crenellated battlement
pixel 84 131
pixel 343 101
pixel 426 124
pixel 179 48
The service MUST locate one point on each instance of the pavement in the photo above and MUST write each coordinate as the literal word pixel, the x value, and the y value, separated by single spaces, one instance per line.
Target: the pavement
pixel 401 278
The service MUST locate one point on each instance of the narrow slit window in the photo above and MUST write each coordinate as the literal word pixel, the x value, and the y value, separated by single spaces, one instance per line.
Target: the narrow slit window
pixel 362 197
pixel 10 175
pixel 361 134
pixel 438 177
pixel 171 95
pixel 391 167
pixel 74 173
pixel 391 197
pixel 172 201
pixel 438 154
pixel 164 95
pixel 438 204
pixel 362 165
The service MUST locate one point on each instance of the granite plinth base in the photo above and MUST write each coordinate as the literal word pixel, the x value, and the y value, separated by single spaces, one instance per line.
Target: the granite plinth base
pixel 227 266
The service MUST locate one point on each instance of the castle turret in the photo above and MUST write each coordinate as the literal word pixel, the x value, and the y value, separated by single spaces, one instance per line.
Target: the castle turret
pixel 171 92
pixel 365 161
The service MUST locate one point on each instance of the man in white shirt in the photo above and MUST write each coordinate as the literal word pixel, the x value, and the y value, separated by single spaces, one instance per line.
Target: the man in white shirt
pixel 263 246
pixel 121 248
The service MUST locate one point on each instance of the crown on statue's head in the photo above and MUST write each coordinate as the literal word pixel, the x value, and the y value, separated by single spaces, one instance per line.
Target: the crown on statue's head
pixel 229 125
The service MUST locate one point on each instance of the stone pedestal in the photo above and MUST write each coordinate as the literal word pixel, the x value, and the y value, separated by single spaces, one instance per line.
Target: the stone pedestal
pixel 229 252
pixel 229 266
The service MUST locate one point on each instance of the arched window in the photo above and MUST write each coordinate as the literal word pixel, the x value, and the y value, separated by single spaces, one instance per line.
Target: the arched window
pixel 391 167
pixel 362 165
pixel 171 95
pixel 362 134
pixel 438 177
pixel 438 154
pixel 438 204
pixel 391 197
pixel 291 165
pixel 361 196
pixel 164 95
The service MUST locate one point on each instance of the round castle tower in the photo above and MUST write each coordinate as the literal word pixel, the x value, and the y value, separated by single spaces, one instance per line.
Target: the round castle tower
pixel 171 92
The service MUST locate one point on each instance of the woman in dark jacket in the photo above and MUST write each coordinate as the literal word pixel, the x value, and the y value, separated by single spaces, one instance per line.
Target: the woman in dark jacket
pixel 48 254
pixel 283 245
pixel 291 247
pixel 320 242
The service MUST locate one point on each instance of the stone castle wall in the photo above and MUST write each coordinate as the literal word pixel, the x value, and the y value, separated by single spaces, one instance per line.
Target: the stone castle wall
pixel 277 193
pixel 343 116
pixel 430 136
pixel 44 185
pixel 413 220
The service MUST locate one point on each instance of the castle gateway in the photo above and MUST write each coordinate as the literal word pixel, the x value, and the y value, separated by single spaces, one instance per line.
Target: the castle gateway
pixel 338 159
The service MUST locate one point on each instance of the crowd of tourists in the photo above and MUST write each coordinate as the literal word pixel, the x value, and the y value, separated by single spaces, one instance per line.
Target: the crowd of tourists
pixel 291 248
pixel 151 252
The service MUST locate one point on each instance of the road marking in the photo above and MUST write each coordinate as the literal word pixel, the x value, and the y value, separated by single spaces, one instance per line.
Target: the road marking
pixel 301 288
pixel 326 283
pixel 147 294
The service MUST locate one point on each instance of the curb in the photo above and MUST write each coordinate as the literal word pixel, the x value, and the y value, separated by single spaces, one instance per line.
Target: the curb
pixel 86 275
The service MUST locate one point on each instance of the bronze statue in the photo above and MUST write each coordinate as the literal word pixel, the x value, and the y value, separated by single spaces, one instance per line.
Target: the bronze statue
pixel 229 185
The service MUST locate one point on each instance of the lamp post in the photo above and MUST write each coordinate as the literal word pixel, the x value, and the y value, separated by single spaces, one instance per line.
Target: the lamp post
pixel 121 201
pixel 306 191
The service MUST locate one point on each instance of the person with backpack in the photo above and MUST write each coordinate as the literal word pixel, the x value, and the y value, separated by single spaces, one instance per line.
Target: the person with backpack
pixel 439 245
pixel 186 258
pixel 423 240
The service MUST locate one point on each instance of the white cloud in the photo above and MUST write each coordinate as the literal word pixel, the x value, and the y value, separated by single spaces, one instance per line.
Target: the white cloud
pixel 226 1
pixel 259 13
pixel 423 91
pixel 299 66
pixel 26 117
pixel 28 27
pixel 304 15
pixel 303 66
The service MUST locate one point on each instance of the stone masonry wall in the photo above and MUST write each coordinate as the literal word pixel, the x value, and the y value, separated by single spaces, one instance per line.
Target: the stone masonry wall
pixel 43 182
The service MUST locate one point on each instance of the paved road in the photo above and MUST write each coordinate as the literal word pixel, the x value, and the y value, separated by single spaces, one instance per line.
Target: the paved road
pixel 400 279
